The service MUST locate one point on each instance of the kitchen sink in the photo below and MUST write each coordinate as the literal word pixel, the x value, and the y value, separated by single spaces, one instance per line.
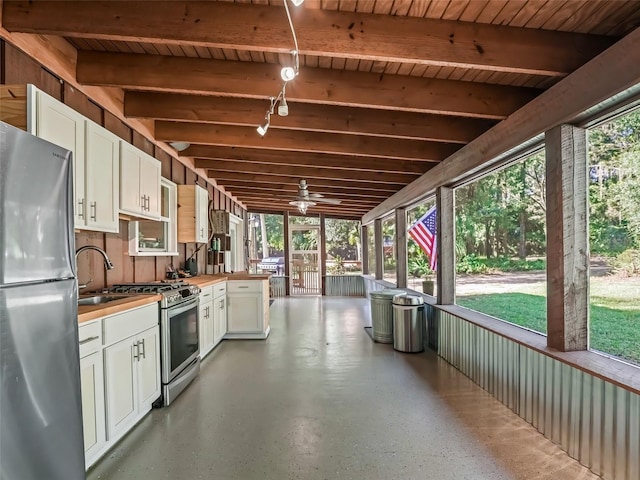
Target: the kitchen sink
pixel 100 299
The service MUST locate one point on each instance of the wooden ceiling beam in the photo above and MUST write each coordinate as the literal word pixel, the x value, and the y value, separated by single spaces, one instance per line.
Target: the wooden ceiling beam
pixel 314 85
pixel 380 38
pixel 304 116
pixel 216 167
pixel 324 160
pixel 287 198
pixel 350 210
pixel 347 183
pixel 231 135
pixel 344 192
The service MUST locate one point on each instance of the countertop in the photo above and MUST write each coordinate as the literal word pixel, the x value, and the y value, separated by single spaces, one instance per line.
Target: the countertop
pixel 91 312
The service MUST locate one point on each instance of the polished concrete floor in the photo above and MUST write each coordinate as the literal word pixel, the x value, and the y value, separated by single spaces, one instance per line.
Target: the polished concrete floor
pixel 319 400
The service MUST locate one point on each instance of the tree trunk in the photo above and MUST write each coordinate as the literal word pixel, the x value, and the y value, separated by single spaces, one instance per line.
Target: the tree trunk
pixel 263 234
pixel 488 250
pixel 522 244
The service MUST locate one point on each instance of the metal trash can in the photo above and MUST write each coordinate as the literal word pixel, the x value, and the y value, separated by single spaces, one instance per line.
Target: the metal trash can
pixel 382 314
pixel 408 323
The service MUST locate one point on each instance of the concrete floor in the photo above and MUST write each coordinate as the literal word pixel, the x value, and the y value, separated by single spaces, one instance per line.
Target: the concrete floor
pixel 319 400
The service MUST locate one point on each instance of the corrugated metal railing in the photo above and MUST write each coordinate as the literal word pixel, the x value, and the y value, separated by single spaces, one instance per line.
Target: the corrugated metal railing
pixel 595 421
pixel 277 286
pixel 344 286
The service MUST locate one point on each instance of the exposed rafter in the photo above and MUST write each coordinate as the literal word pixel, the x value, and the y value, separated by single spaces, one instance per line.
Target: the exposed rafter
pixel 353 35
pixel 317 85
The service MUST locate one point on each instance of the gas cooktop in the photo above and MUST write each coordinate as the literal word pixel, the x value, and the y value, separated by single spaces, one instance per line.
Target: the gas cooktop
pixel 173 292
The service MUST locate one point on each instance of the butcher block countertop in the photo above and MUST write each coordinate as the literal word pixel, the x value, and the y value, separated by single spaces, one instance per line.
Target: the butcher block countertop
pixel 91 312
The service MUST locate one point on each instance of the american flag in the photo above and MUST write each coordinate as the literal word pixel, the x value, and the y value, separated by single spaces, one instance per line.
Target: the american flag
pixel 424 233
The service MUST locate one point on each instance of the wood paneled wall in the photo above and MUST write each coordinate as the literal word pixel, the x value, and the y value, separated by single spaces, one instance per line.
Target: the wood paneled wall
pixel 18 68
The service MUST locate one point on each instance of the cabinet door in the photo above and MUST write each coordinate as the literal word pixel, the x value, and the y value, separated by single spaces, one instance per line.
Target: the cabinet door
pixel 102 178
pixel 150 186
pixel 244 312
pixel 120 386
pixel 219 319
pixel 130 196
pixel 63 126
pixel 202 215
pixel 148 368
pixel 93 419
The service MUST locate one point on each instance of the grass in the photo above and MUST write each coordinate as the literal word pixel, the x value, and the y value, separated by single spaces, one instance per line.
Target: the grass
pixel 614 322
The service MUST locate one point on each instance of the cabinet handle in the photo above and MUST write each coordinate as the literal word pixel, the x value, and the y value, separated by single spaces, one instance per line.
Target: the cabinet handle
pixel 147 203
pixel 81 208
pixel 143 355
pixel 94 211
pixel 221 304
pixel 136 355
pixel 208 312
pixel 87 340
pixel 142 202
pixel 243 286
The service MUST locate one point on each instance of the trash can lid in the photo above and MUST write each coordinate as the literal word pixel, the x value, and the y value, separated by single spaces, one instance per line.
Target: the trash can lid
pixel 387 293
pixel 407 300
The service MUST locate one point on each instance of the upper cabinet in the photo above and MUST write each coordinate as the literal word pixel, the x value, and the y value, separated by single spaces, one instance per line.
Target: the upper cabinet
pixel 193 214
pixel 96 160
pixel 139 183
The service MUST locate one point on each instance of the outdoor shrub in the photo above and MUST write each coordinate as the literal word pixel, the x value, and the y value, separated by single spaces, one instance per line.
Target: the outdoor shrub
pixel 628 263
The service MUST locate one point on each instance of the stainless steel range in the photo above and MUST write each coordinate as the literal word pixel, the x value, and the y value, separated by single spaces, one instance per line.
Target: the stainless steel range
pixel 178 332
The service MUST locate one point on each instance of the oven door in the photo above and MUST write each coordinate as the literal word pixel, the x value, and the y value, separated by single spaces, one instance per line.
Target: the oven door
pixel 179 338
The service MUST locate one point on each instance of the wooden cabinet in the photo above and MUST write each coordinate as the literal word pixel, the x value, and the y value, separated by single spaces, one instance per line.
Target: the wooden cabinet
pixel 92 391
pixel 219 312
pixel 193 214
pixel 139 183
pixel 206 321
pixel 247 316
pixel 132 367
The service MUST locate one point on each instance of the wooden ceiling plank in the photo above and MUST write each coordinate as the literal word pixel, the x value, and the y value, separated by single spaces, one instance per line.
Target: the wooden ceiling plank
pixel 285 198
pixel 342 192
pixel 321 118
pixel 249 192
pixel 473 10
pixel 347 183
pixel 204 76
pixel 218 166
pixel 279 139
pixel 263 28
pixel 283 157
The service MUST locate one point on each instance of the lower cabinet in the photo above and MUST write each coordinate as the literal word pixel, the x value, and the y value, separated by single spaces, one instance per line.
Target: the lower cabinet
pixel 205 321
pixel 119 374
pixel 219 312
pixel 247 316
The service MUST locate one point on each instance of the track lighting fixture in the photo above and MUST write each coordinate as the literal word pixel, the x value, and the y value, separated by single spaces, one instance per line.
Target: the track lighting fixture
pixel 287 74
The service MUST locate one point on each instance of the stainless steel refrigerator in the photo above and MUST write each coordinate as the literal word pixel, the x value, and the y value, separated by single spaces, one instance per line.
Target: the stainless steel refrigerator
pixel 40 402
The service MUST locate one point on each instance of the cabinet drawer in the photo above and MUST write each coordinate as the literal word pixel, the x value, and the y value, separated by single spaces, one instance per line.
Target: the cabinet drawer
pixel 123 325
pixel 219 289
pixel 237 286
pixel 206 294
pixel 90 337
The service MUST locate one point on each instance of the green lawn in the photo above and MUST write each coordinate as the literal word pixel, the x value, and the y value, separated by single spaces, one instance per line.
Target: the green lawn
pixel 615 314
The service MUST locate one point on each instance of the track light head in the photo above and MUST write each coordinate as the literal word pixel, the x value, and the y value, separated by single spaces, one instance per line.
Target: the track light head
pixel 262 129
pixel 283 108
pixel 288 74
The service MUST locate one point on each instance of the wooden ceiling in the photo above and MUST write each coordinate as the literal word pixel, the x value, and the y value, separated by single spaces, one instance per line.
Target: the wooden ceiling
pixel 387 88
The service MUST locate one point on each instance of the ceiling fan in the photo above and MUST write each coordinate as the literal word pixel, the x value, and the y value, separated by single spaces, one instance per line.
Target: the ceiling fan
pixel 304 199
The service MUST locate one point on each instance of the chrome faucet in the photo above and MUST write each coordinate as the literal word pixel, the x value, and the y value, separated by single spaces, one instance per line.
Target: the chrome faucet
pixel 107 263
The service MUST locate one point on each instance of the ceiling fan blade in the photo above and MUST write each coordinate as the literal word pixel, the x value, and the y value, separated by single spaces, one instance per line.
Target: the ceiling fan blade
pixel 331 201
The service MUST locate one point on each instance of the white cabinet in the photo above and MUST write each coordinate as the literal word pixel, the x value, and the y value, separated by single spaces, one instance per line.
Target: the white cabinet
pixel 206 321
pixel 139 183
pixel 102 179
pixel 132 367
pixel 95 160
pixel 219 312
pixel 193 214
pixel 92 390
pixel 247 316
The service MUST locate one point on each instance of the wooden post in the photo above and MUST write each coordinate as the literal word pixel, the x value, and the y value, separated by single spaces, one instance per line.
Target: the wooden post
pixel 446 246
pixel 378 245
pixel 323 255
pixel 401 247
pixel 567 239
pixel 364 245
pixel 287 265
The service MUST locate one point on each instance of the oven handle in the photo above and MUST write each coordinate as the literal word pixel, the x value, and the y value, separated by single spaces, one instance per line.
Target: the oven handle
pixel 188 305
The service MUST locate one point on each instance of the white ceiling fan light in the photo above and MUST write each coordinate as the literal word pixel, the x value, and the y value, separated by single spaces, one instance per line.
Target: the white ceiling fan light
pixel 302 205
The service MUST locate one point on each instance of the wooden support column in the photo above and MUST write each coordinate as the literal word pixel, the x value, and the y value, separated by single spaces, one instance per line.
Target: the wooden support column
pixel 323 254
pixel 446 246
pixel 364 245
pixel 567 239
pixel 287 266
pixel 378 245
pixel 401 247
